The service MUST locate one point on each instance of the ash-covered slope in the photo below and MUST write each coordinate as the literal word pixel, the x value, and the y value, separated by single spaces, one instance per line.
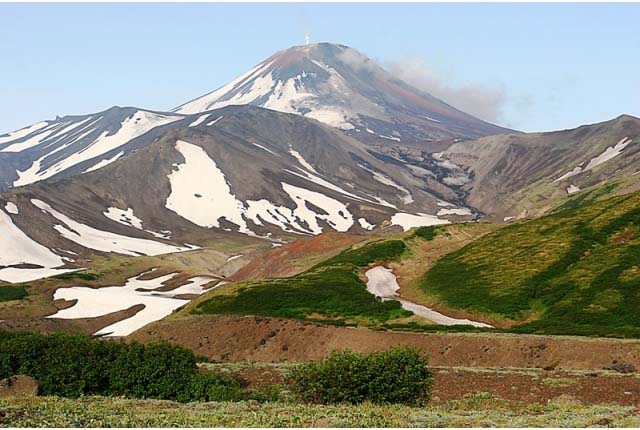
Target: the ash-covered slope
pixel 521 175
pixel 341 87
pixel 77 144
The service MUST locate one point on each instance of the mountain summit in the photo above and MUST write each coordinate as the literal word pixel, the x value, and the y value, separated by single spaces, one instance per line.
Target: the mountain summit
pixel 339 86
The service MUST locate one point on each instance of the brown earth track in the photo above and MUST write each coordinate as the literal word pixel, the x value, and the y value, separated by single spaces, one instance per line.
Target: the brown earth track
pixel 235 338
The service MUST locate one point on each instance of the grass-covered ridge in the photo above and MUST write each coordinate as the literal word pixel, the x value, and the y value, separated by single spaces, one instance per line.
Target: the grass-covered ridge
pixel 574 272
pixel 331 291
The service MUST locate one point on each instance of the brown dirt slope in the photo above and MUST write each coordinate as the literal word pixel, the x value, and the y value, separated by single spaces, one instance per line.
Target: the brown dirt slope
pixel 293 258
pixel 231 338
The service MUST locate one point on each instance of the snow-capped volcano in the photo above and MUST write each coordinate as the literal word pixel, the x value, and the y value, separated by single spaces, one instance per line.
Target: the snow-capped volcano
pixel 341 87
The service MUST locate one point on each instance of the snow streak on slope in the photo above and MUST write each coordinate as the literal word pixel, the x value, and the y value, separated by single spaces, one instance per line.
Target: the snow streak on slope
pixel 22 132
pixel 17 248
pixel 105 241
pixel 135 125
pixel 96 302
pixel 199 120
pixel 203 202
pixel 609 153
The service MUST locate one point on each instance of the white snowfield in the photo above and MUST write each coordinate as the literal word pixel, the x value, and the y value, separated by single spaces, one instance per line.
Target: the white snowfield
pixel 455 211
pixel 139 123
pixel 96 302
pixel 105 241
pixel 408 221
pixel 18 248
pixel 382 283
pixel 258 86
pixel 610 153
pixel 127 217
pixel 206 202
pixel 203 202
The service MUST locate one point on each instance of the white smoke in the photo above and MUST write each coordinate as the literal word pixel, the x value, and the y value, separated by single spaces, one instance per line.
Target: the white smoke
pixel 487 102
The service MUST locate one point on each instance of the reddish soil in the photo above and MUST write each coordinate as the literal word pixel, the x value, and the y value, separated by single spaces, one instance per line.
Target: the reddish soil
pixel 295 257
pixel 514 386
pixel 232 338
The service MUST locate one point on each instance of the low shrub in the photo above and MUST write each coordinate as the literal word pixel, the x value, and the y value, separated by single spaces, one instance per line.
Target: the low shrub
pixel 398 375
pixel 73 365
pixel 12 292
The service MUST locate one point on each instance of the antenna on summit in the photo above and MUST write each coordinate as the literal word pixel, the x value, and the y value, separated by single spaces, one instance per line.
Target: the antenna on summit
pixel 307 39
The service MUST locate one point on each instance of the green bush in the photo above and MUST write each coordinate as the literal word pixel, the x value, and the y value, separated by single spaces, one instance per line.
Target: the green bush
pixel 395 376
pixel 212 387
pixel 72 365
pixel 427 232
pixel 12 292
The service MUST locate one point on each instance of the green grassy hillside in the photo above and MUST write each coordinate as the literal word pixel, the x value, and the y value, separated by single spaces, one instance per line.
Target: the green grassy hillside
pixel 573 272
pixel 331 291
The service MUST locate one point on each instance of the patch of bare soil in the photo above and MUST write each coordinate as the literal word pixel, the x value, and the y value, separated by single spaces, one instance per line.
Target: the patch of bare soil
pixel 516 386
pixel 235 338
pixel 295 257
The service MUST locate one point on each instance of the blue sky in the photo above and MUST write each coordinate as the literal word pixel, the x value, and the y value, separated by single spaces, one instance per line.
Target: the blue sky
pixel 538 67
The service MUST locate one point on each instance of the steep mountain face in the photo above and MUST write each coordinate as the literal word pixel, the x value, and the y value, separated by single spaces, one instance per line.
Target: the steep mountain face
pixel 341 87
pixel 239 174
pixel 520 175
pixel 77 144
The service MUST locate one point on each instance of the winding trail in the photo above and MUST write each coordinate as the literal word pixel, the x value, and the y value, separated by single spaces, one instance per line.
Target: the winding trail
pixel 382 283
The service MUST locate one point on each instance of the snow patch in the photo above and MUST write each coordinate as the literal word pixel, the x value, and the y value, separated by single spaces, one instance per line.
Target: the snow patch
pixel 203 203
pixel 455 211
pixel 572 189
pixel 382 283
pixel 608 154
pixel 17 248
pixel 408 221
pixel 365 224
pixel 139 123
pixel 104 241
pixel 11 208
pixel 96 302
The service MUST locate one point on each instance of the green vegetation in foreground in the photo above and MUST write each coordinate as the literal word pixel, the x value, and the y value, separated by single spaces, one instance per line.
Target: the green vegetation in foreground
pixel 573 272
pixel 72 365
pixel 479 410
pixel 587 197
pixel 12 292
pixel 330 292
pixel 393 376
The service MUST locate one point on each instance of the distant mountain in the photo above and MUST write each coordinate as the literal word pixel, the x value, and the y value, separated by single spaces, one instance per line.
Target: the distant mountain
pixel 341 87
pixel 314 139
pixel 524 175
pixel 239 174
pixel 76 144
